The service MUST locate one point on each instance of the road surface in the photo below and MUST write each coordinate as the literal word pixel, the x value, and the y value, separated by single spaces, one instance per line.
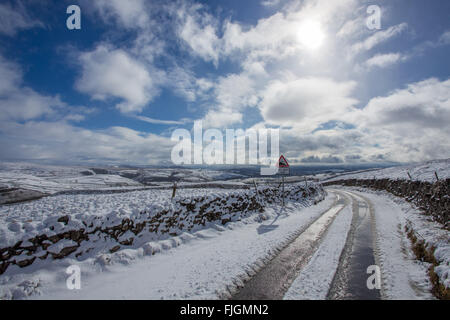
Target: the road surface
pixel 350 281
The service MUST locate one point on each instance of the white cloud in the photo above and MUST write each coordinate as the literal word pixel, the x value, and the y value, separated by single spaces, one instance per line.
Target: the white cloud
pixel 139 16
pixel 108 72
pixel 27 104
pixel 221 118
pixel 352 28
pixel 60 141
pixel 270 3
pixel 337 142
pixel 444 39
pixel 235 91
pixel 37 126
pixel 230 94
pixel 322 159
pixel 158 121
pixel 384 60
pixel 13 19
pixel 266 52
pixel 276 80
pixel 130 13
pixel 198 30
pixel 18 102
pixel 306 102
pixel 273 36
pixel 263 52
pixel 379 37
pixel 204 84
pixel 409 124
pixel 184 84
pixel 424 104
pixel 11 76
pixel 308 93
pixel 420 49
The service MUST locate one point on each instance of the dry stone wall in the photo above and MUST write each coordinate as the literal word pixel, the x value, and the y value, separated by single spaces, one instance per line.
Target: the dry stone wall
pixel 66 237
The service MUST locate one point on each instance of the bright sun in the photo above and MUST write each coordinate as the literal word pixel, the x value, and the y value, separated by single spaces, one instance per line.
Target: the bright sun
pixel 311 35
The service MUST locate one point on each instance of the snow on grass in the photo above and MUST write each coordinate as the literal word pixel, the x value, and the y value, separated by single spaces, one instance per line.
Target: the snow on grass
pixel 434 235
pixel 315 279
pixel 201 265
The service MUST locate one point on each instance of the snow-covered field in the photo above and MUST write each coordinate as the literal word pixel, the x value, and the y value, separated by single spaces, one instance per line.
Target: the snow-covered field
pixel 49 179
pixel 56 184
pixel 29 181
pixel 419 172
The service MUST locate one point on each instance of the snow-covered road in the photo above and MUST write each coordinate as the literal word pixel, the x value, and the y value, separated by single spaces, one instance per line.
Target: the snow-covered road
pixel 373 238
pixel 402 276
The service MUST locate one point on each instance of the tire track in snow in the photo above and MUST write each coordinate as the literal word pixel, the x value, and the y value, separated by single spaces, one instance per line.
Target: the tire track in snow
pixel 350 281
pixel 315 279
pixel 275 278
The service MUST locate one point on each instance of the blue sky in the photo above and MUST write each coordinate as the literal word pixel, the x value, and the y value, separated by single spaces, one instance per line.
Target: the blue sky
pixel 114 91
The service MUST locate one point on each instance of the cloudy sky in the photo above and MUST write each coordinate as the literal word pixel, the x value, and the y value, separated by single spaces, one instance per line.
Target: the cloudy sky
pixel 114 91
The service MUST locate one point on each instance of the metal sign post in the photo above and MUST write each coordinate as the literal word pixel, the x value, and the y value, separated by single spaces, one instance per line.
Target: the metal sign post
pixel 283 170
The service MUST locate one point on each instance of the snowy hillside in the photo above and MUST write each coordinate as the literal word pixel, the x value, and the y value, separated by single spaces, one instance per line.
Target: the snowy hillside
pixel 418 172
pixel 51 179
pixel 25 181
pixel 151 176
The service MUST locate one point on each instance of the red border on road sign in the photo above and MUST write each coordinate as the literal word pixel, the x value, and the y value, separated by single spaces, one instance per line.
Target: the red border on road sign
pixel 283 166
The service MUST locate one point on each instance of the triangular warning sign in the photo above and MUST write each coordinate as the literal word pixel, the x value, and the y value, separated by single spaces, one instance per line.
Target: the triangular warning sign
pixel 282 163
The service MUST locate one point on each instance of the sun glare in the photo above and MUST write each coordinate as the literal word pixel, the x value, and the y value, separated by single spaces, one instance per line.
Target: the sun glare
pixel 311 35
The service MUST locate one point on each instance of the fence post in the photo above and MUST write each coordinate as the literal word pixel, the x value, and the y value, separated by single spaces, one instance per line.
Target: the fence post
pixel 437 178
pixel 410 178
pixel 174 189
pixel 256 190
